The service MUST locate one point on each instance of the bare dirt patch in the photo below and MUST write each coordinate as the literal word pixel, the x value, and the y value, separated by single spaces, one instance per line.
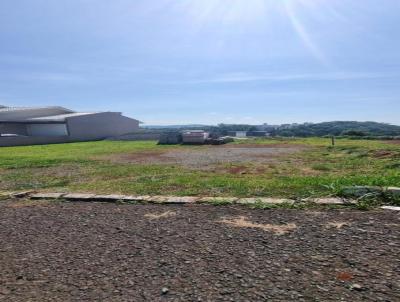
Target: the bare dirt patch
pixel 166 214
pixel 242 222
pixel 384 154
pixel 205 157
pixel 393 142
pixel 337 224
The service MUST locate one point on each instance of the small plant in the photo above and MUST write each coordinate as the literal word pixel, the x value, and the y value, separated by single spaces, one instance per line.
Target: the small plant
pixel 220 202
pixel 369 201
pixel 321 167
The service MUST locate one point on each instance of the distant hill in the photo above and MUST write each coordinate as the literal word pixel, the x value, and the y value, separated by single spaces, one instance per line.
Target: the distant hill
pixel 338 128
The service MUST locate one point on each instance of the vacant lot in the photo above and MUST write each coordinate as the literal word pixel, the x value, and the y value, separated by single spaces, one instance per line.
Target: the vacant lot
pixel 264 167
pixel 107 252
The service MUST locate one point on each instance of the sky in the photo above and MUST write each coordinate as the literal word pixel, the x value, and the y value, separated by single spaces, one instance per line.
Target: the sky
pixel 205 61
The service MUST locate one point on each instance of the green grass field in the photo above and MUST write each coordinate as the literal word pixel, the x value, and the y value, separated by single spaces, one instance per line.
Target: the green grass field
pixel 316 170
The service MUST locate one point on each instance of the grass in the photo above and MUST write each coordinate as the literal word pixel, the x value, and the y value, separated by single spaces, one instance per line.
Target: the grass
pixel 318 170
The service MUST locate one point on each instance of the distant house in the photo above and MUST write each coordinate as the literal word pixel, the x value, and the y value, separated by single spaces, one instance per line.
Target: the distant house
pixel 44 125
pixel 248 133
pixel 194 136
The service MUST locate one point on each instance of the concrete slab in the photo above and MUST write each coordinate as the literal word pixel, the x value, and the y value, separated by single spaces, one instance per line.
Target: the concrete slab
pixel 79 196
pixel 331 201
pixel 109 198
pixel 140 198
pixel 180 200
pixel 157 199
pixel 46 195
pixel 21 194
pixel 264 200
pixel 5 195
pixel 391 208
pixel 217 199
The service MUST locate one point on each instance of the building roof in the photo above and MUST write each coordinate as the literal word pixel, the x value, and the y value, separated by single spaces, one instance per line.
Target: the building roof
pixel 60 117
pixel 53 114
pixel 24 113
pixel 18 109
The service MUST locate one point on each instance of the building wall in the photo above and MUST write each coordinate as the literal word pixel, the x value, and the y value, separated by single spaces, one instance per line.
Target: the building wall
pixel 100 125
pixel 47 130
pixel 137 137
pixel 13 129
pixel 31 140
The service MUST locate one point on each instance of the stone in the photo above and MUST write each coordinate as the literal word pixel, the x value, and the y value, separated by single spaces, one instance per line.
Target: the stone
pixel 46 195
pixel 5 195
pixel 332 200
pixel 245 201
pixel 391 208
pixel 164 290
pixel 141 198
pixel 394 191
pixel 180 200
pixel 360 191
pixel 79 196
pixel 356 287
pixel 109 198
pixel 157 199
pixel 217 199
pixel 21 194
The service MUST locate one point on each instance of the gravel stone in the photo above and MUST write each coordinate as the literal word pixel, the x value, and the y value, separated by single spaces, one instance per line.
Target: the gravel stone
pixel 116 252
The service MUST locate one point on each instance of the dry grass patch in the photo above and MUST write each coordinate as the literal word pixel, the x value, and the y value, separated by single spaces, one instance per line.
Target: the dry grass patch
pixel 338 224
pixel 166 214
pixel 242 222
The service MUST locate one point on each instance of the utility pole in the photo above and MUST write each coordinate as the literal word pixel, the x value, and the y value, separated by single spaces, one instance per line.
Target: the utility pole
pixel 333 140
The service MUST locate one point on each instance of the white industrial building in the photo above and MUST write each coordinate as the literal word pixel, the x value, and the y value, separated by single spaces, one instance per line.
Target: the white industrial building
pixel 43 125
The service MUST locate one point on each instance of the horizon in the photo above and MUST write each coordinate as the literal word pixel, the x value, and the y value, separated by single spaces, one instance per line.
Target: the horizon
pixel 205 61
pixel 279 124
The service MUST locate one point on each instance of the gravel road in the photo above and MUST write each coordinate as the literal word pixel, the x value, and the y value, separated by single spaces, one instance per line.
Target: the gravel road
pixel 109 252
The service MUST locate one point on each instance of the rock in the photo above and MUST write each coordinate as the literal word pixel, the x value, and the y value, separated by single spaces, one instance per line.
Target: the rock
pixel 142 198
pixel 391 208
pixel 394 191
pixel 264 201
pixel 356 287
pixel 228 200
pixel 109 198
pixel 47 195
pixel 21 194
pixel 79 197
pixel 180 200
pixel 326 200
pixel 360 191
pixel 164 290
pixel 157 199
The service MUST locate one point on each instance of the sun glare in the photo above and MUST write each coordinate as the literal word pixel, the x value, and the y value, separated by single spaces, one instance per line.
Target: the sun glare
pixel 245 13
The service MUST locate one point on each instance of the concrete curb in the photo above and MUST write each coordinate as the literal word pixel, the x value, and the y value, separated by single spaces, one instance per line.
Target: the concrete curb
pixel 173 199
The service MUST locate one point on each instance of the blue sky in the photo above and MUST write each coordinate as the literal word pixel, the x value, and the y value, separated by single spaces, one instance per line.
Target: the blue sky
pixel 205 61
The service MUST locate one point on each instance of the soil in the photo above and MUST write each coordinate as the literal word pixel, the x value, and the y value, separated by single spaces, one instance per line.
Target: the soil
pixel 384 154
pixel 393 142
pixel 109 252
pixel 207 157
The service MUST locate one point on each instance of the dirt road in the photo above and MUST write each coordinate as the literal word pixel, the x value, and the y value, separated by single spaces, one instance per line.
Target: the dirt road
pixel 109 252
